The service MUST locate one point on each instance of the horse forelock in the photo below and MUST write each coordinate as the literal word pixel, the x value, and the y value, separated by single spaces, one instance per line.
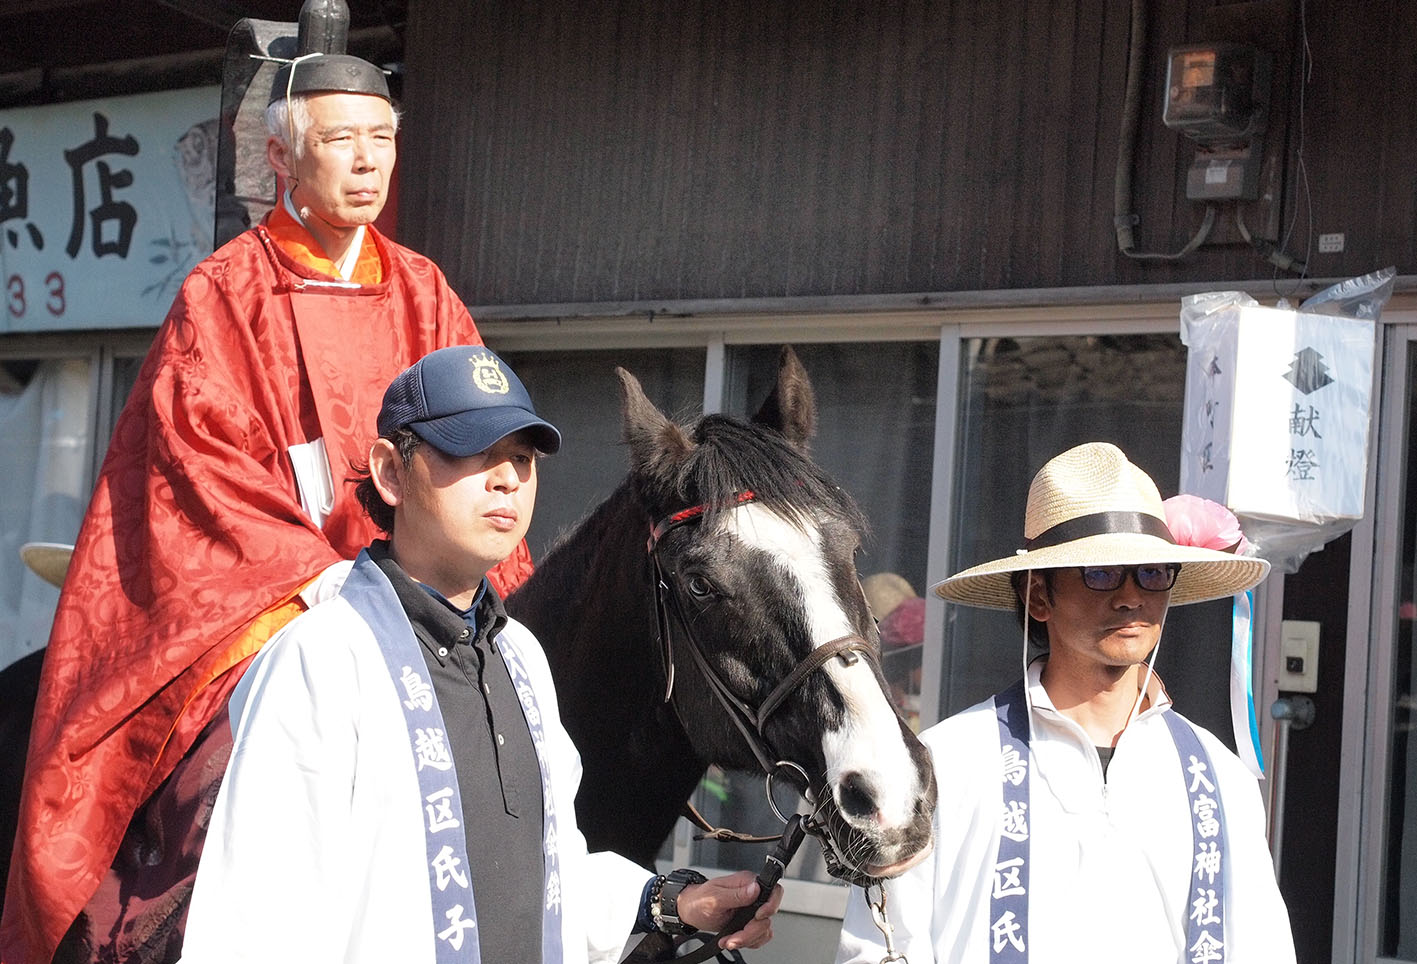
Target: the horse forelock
pixel 731 457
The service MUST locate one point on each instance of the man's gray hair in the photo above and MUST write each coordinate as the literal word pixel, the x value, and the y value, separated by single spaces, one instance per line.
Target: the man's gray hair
pixel 289 117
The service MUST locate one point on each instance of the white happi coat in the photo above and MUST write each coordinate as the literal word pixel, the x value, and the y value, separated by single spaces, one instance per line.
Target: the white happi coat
pixel 316 847
pixel 1111 863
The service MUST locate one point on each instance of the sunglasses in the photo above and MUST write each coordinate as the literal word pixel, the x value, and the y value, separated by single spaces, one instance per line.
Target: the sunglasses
pixel 1153 578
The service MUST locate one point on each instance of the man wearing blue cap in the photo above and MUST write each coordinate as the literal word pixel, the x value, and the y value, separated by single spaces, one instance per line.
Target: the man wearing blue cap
pixel 401 787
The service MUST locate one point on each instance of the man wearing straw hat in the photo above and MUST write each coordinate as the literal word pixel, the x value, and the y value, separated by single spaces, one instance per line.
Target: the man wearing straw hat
pixel 1080 816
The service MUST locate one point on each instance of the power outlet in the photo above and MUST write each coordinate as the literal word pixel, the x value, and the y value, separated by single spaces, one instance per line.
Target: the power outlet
pixel 1299 657
pixel 1331 243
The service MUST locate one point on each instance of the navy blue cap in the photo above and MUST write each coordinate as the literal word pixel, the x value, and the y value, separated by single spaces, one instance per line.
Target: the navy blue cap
pixel 462 400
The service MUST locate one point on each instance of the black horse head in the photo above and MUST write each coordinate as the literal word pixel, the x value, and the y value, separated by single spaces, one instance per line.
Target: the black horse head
pixel 755 552
pixel 749 548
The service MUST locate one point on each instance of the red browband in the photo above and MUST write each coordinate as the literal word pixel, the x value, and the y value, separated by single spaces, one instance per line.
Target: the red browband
pixel 687 515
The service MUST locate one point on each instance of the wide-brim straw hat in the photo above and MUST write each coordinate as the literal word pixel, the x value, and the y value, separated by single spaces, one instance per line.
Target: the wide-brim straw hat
pixel 885 591
pixel 48 560
pixel 1091 507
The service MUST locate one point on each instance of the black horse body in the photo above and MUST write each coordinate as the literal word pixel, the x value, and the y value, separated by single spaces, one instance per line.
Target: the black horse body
pixel 591 604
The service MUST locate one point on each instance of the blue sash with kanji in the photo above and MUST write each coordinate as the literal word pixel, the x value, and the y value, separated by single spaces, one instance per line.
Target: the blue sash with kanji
pixel 551 899
pixel 369 593
pixel 1205 925
pixel 1008 900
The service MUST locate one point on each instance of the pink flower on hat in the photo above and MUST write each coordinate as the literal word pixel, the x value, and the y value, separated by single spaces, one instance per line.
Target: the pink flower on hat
pixel 1198 522
pixel 905 626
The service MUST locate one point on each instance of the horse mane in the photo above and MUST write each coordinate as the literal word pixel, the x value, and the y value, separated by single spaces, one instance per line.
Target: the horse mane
pixel 579 549
pixel 729 456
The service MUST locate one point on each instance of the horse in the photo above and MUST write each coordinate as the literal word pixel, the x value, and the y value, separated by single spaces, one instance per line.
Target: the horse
pixel 721 566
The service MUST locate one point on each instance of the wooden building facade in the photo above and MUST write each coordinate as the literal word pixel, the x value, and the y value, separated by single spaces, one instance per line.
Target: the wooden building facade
pixel 925 197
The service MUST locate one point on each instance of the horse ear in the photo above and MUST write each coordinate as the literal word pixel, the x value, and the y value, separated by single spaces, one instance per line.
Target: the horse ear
pixel 792 406
pixel 657 446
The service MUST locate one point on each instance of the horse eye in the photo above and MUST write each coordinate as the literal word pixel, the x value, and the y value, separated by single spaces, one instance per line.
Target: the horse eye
pixel 700 587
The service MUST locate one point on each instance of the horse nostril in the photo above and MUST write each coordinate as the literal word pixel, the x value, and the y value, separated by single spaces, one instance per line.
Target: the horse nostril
pixel 856 796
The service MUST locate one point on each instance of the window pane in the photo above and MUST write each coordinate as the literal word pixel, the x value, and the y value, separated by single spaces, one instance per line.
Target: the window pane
pixel 45 419
pixel 1023 401
pixel 1398 934
pixel 125 375
pixel 875 433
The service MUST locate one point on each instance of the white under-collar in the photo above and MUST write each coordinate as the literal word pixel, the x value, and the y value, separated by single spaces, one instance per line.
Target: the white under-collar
pixel 344 266
pixel 1038 696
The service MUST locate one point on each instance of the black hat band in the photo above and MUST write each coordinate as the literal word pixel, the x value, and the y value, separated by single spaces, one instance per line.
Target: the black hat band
pixel 1101 523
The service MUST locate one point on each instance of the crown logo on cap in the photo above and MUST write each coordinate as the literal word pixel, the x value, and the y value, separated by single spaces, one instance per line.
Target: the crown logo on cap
pixel 488 376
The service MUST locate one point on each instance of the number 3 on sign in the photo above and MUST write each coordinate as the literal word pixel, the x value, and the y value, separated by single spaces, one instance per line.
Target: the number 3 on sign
pixel 15 300
pixel 54 288
pixel 15 296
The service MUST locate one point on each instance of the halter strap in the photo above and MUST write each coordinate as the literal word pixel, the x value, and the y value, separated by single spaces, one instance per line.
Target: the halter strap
pixel 751 722
pixel 841 646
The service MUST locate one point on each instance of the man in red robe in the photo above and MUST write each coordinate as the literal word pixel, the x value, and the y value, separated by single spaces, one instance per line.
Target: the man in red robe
pixel 222 499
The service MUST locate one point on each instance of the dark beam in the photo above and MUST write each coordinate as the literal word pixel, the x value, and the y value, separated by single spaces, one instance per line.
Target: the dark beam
pixel 215 13
pixel 166 72
pixel 16 7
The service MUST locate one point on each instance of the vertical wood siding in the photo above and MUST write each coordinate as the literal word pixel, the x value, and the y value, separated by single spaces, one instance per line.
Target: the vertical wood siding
pixel 649 149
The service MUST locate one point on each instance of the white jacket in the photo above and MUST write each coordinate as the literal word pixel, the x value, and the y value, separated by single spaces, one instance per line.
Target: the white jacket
pixel 316 847
pixel 1110 864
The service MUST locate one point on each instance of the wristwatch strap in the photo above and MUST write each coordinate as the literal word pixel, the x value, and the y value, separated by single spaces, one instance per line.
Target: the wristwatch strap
pixel 664 901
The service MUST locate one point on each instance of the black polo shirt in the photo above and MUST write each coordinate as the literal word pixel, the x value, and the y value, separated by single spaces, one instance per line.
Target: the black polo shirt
pixel 498 773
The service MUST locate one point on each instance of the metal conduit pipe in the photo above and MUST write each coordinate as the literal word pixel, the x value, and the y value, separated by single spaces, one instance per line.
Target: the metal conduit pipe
pixel 1288 712
pixel 1124 220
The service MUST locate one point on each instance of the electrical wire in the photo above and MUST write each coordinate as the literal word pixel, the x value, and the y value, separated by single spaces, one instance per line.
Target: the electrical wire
pixel 1306 69
pixel 1271 253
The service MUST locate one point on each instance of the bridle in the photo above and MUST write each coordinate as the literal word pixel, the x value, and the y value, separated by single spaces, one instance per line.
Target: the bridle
pixel 751 722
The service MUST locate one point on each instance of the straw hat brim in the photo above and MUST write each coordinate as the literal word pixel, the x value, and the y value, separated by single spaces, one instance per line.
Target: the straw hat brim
pixel 1205 573
pixel 48 560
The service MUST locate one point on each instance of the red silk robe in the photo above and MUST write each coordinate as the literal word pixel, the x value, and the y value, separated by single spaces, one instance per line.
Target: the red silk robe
pixel 195 543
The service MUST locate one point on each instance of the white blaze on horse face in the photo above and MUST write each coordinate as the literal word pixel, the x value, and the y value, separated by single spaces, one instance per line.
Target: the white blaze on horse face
pixel 868 746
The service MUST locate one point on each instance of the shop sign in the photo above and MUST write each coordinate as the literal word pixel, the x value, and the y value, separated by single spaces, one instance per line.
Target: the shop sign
pixel 105 206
